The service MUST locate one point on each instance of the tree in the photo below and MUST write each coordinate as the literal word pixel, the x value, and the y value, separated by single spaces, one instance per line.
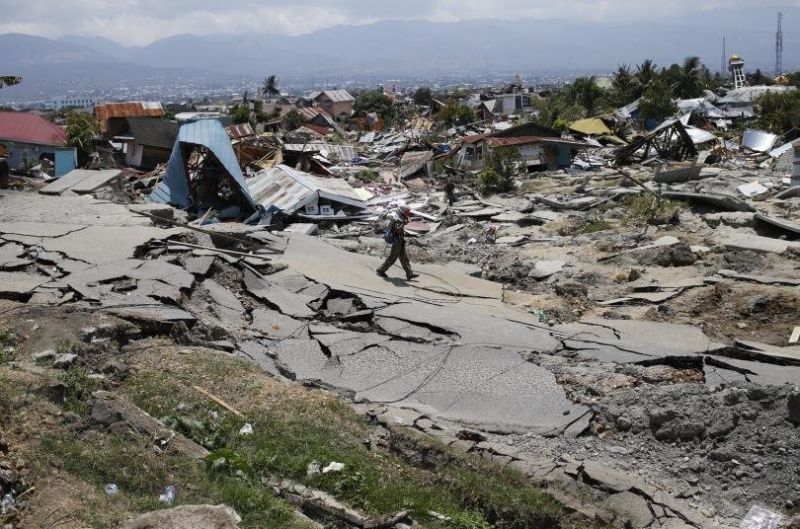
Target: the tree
pixel 9 80
pixel 758 78
pixel 498 171
pixel 423 96
pixel 376 101
pixel 270 86
pixel 646 73
pixel 258 110
pixel 557 111
pixel 240 114
pixel 623 87
pixel 293 120
pixel 688 80
pixel 585 92
pixel 779 112
pixel 455 114
pixel 81 129
pixel 656 102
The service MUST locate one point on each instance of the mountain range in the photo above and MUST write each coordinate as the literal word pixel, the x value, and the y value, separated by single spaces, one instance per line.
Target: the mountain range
pixel 402 49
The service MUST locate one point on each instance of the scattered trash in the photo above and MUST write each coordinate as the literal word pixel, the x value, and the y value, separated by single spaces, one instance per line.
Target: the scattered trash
pixel 111 489
pixel 247 429
pixel 168 496
pixel 313 469
pixel 760 518
pixel 7 503
pixel 333 467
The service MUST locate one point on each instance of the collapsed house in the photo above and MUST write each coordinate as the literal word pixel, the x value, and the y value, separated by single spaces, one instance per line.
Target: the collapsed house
pixel 203 174
pixel 296 193
pixel 536 153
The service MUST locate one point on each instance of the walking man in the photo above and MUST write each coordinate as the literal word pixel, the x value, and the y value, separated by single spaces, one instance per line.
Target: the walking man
pixel 395 235
pixel 450 192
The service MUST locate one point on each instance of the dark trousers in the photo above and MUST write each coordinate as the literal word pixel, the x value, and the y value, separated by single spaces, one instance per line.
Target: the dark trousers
pixel 398 251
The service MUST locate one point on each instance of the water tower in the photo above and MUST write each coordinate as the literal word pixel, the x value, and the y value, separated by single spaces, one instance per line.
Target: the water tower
pixel 736 66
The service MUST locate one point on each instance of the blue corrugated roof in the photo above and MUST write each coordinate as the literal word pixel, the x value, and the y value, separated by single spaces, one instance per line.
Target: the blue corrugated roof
pixel 210 134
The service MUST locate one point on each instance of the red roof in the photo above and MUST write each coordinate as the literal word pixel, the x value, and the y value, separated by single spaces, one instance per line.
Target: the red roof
pixel 319 130
pixel 30 128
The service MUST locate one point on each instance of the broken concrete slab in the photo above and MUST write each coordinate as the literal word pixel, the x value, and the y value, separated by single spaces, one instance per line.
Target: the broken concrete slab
pixel 276 326
pixel 18 285
pixel 632 341
pixel 199 265
pixel 226 307
pixel 289 303
pixel 762 279
pixel 757 349
pixel 756 243
pixel 81 181
pixel 785 226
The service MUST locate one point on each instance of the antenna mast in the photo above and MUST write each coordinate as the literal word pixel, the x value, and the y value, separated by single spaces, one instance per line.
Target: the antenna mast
pixel 779 47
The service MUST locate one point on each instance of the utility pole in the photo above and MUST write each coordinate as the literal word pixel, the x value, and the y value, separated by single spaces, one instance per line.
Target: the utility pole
pixel 779 47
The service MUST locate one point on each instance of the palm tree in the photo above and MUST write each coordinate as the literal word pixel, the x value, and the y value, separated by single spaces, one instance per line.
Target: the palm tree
pixel 645 74
pixel 270 86
pixel 690 81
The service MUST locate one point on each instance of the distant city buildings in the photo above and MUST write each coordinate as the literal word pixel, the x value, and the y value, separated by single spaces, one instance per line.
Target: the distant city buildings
pixel 60 103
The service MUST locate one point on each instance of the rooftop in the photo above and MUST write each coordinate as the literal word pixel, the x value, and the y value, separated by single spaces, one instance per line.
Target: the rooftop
pixel 30 128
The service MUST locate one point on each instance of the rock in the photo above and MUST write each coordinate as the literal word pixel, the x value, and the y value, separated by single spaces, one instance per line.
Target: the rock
pixel 187 517
pixel 64 360
pixel 571 289
pixel 544 269
pixel 632 508
pixel 607 478
pixel 681 429
pixel 793 405
pixel 660 417
pixel 44 356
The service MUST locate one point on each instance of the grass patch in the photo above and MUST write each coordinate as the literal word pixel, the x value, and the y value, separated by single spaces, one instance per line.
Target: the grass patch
pixel 70 347
pixel 291 431
pixel 644 209
pixel 8 342
pixel 141 474
pixel 79 388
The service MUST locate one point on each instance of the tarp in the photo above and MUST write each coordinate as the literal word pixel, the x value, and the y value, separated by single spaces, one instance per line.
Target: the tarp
pixel 208 133
pixel 590 127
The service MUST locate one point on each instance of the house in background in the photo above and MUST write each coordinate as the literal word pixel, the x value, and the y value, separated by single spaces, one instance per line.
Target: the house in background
pixel 113 116
pixel 148 141
pixel 337 103
pixel 539 148
pixel 29 138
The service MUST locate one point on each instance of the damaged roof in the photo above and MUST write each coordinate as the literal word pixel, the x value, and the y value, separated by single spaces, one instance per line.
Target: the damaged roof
pixel 288 190
pixel 30 128
pixel 153 132
pixel 208 133
pixel 336 96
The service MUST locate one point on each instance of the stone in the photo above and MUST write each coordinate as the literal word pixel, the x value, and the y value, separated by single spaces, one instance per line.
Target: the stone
pixel 607 478
pixel 44 356
pixel 793 405
pixel 64 360
pixel 341 306
pixel 544 269
pixel 187 517
pixel 630 507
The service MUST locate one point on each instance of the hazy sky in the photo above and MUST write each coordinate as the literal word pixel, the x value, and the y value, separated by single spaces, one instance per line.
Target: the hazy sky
pixel 142 21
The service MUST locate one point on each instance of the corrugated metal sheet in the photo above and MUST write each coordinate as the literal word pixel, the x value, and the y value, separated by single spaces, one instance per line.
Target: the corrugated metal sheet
pixel 590 127
pixel 336 96
pixel 749 94
pixel 210 134
pixel 285 189
pixel 758 140
pixel 343 153
pixel 130 109
pixel 241 130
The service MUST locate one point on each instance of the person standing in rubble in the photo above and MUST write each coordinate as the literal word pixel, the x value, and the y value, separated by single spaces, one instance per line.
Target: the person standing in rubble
pixel 450 192
pixel 396 236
